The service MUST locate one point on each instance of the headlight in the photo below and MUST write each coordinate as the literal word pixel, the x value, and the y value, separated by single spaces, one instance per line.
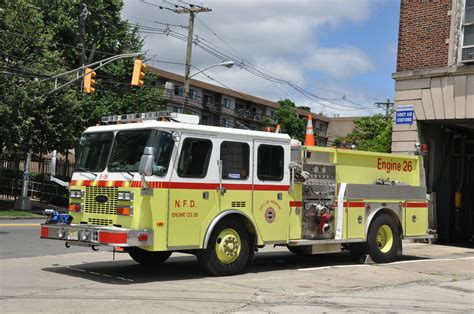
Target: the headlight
pixel 75 194
pixel 125 196
pixel 61 233
pixel 84 235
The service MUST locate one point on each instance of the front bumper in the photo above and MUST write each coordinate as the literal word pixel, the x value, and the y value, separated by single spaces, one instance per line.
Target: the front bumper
pixel 94 235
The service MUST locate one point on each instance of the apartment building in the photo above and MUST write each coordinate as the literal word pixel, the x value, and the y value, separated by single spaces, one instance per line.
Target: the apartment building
pixel 434 103
pixel 221 106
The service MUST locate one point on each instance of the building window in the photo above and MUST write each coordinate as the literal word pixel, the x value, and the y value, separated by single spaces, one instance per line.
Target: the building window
pixel 270 163
pixel 226 103
pixel 322 127
pixel 179 90
pixel 235 160
pixel 178 109
pixel 272 114
pixel 193 94
pixel 207 100
pixel 469 24
pixel 194 158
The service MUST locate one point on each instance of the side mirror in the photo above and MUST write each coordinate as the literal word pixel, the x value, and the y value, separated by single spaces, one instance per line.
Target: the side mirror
pixel 53 163
pixel 146 162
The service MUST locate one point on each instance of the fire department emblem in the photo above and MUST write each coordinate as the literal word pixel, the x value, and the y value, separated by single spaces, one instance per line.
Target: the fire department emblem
pixel 270 215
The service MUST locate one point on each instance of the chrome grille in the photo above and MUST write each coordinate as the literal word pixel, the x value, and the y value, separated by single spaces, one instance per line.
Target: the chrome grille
pixel 99 221
pixel 91 205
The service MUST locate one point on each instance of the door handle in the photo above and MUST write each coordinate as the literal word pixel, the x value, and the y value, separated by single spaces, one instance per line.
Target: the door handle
pixel 222 189
pixel 280 196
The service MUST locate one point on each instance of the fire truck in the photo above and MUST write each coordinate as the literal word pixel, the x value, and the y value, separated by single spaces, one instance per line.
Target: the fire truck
pixel 157 183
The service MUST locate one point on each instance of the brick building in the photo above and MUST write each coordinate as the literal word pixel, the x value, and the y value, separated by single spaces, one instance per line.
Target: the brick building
pixel 435 77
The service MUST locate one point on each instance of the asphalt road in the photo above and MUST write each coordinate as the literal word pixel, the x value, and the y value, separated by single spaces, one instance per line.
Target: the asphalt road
pixel 21 238
pixel 428 278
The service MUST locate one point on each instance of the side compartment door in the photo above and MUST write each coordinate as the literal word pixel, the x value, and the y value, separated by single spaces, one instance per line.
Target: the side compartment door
pixel 192 191
pixel 270 192
pixel 416 218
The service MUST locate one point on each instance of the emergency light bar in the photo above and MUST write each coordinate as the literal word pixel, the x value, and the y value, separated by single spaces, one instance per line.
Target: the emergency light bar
pixel 154 115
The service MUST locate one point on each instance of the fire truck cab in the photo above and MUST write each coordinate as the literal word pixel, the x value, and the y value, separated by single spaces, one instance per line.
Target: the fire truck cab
pixel 155 187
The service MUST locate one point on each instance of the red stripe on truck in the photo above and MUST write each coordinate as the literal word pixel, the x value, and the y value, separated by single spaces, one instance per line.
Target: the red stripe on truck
pixel 296 203
pixel 418 205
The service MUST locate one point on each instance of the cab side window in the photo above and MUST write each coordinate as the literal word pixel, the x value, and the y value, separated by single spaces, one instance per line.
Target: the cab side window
pixel 235 160
pixel 194 158
pixel 270 163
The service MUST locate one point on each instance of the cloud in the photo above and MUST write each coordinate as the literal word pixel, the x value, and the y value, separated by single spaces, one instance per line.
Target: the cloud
pixel 340 62
pixel 276 36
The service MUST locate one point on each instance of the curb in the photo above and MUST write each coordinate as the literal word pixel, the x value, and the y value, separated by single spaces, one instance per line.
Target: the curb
pixel 22 218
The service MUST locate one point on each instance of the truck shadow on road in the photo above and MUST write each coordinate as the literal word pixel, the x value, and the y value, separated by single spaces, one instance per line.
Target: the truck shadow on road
pixel 126 272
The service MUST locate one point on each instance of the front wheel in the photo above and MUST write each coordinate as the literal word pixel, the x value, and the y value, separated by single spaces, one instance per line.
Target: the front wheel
pixel 383 240
pixel 145 257
pixel 228 249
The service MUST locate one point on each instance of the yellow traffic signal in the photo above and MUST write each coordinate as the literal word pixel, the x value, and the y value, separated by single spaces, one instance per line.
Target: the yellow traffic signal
pixel 138 73
pixel 89 81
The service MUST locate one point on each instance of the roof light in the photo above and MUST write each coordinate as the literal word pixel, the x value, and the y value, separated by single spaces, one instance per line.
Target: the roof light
pixel 154 115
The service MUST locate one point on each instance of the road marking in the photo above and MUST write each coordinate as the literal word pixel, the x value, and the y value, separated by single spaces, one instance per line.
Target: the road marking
pixel 387 264
pixel 19 225
pixel 98 274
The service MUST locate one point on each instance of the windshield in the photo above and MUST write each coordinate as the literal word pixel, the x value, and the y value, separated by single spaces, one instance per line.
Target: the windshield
pixel 163 144
pixel 93 151
pixel 128 150
pixel 129 146
pixel 125 151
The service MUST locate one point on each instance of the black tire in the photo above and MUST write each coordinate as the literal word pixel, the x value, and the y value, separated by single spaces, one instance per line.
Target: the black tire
pixel 237 252
pixel 383 240
pixel 252 249
pixel 145 257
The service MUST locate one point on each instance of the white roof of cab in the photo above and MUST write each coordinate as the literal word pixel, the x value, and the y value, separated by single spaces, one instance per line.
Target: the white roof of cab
pixel 191 128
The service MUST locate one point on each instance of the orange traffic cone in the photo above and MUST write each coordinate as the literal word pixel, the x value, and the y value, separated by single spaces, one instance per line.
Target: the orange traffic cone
pixel 309 139
pixel 278 129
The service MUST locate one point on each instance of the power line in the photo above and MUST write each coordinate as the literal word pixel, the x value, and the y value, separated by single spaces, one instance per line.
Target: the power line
pixel 207 46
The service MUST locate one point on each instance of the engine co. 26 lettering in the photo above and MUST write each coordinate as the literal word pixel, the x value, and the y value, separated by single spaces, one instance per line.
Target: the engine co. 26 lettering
pixel 391 165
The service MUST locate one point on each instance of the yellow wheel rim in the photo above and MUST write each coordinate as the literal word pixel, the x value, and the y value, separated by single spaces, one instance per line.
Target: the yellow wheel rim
pixel 384 238
pixel 228 246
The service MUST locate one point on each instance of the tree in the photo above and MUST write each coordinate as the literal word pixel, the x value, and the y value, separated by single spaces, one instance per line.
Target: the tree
pixel 370 134
pixel 42 38
pixel 289 121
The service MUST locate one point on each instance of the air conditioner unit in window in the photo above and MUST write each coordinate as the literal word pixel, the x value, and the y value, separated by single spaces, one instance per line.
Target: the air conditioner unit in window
pixel 467 54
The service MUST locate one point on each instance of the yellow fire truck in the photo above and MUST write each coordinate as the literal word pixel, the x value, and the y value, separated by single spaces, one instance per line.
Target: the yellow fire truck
pixel 159 183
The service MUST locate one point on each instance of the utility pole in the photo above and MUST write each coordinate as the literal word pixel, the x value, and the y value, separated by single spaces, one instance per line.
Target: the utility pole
pixel 83 13
pixel 192 11
pixel 387 106
pixel 24 202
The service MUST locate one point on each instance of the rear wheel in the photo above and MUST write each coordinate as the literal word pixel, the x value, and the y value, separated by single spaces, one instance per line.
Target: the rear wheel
pixel 383 240
pixel 145 257
pixel 228 249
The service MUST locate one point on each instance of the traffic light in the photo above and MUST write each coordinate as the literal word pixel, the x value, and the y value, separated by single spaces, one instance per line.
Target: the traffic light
pixel 138 73
pixel 89 81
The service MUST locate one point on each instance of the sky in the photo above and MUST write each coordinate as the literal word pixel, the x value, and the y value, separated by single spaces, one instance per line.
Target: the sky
pixel 334 56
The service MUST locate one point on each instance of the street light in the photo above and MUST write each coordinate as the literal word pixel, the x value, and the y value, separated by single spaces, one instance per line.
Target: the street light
pixel 227 64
